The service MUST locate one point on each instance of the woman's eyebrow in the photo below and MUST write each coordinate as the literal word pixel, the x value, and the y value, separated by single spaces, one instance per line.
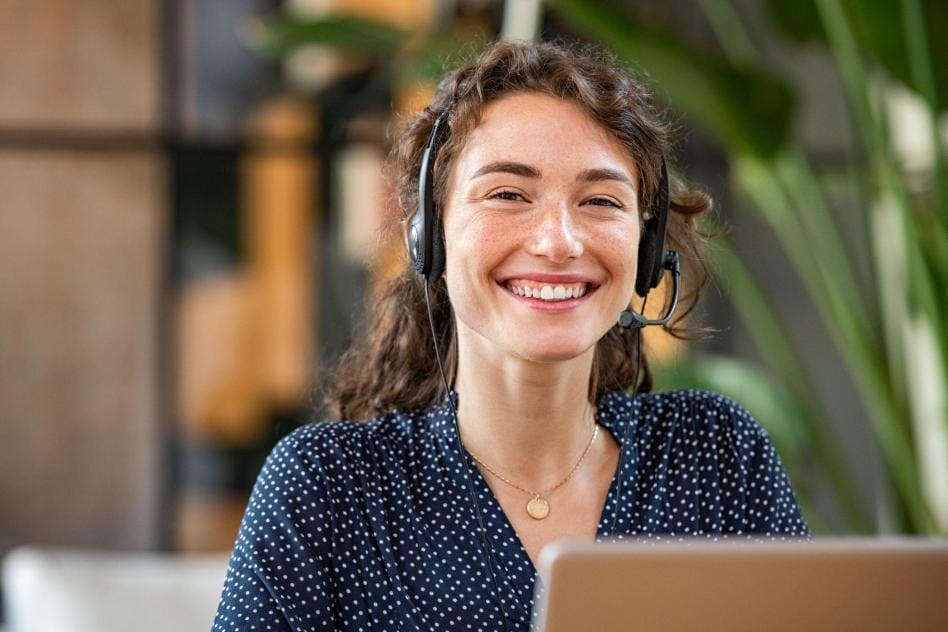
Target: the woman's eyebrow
pixel 598 175
pixel 528 171
pixel 516 168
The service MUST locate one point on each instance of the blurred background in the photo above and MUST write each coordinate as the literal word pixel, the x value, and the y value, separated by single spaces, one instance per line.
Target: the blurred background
pixel 192 220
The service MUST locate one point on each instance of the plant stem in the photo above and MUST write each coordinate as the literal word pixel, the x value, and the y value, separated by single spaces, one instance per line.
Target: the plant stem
pixel 923 77
pixel 730 31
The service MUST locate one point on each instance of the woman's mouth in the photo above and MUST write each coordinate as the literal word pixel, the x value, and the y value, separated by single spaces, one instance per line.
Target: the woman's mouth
pixel 539 294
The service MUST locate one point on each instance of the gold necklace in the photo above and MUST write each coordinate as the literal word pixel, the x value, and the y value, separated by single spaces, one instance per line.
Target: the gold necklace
pixel 539 507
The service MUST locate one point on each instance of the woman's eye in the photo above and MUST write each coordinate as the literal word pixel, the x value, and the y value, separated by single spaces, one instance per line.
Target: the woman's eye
pixel 506 195
pixel 514 196
pixel 601 201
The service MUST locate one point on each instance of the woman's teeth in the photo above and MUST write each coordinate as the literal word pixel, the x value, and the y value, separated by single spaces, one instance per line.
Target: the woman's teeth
pixel 548 292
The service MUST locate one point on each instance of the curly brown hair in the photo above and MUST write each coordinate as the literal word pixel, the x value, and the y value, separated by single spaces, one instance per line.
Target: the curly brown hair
pixel 391 364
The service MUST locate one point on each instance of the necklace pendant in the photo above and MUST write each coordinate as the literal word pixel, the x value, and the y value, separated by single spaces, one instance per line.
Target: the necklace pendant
pixel 538 508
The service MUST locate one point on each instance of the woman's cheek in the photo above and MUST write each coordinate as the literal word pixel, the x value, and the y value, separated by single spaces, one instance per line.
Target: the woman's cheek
pixel 471 254
pixel 484 242
pixel 618 246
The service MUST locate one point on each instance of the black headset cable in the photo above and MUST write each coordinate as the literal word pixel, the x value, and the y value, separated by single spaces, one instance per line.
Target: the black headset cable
pixel 461 452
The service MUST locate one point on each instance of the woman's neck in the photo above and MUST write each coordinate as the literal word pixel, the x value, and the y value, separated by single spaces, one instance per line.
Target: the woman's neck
pixel 529 421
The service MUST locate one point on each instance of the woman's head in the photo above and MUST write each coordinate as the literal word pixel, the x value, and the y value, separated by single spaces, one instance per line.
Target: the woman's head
pixel 540 199
pixel 549 158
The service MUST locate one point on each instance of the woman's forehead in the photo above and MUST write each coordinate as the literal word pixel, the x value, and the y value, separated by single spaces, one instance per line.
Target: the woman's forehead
pixel 547 132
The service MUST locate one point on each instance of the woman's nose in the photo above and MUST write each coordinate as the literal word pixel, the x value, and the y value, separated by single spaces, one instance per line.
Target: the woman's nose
pixel 556 235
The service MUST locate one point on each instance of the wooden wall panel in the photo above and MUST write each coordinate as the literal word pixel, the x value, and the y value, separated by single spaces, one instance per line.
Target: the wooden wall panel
pixel 81 243
pixel 89 65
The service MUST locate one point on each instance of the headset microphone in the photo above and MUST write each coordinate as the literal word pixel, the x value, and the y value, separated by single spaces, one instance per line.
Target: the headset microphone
pixel 634 320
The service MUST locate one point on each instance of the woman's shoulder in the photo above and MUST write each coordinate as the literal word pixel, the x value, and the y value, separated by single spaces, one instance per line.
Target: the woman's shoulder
pixel 699 403
pixel 322 467
pixel 676 401
pixel 330 443
pixel 679 433
pixel 704 411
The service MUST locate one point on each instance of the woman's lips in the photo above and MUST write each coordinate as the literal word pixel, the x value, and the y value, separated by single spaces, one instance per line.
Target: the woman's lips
pixel 550 306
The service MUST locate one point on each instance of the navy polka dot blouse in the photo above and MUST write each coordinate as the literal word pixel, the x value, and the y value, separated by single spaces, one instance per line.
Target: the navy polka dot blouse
pixel 369 526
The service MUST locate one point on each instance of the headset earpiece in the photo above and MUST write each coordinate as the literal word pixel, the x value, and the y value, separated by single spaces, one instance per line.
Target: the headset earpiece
pixel 425 238
pixel 652 244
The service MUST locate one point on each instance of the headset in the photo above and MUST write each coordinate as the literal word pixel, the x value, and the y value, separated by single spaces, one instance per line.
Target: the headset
pixel 426 250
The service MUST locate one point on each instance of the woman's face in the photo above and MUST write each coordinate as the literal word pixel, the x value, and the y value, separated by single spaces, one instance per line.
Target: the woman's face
pixel 541 228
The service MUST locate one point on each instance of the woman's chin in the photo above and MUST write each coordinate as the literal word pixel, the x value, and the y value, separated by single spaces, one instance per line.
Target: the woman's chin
pixel 562 351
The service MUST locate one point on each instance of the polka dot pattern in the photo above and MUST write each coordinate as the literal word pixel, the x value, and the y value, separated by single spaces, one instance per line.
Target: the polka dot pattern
pixel 369 526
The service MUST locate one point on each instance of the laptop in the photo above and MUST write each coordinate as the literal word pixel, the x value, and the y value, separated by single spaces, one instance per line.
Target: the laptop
pixel 861 584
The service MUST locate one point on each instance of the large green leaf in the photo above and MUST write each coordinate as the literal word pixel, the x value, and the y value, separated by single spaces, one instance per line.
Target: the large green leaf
pixel 437 53
pixel 417 56
pixel 880 32
pixel 747 110
pixel 283 34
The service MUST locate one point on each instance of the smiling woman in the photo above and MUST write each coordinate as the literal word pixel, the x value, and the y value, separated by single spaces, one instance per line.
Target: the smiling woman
pixel 536 205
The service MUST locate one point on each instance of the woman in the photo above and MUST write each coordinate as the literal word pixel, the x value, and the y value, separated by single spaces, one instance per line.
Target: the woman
pixel 545 172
